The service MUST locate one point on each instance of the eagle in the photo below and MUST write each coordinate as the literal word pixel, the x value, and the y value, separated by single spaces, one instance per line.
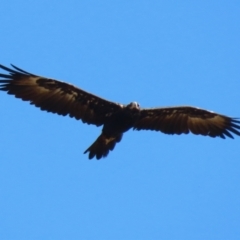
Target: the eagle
pixel 65 99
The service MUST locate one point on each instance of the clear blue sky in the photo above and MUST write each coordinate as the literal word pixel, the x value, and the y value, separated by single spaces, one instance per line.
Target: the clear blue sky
pixel 152 186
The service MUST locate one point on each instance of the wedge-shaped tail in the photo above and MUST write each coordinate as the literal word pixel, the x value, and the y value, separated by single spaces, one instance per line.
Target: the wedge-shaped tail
pixel 101 147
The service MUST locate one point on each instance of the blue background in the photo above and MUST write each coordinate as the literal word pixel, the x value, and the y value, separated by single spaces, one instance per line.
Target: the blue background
pixel 152 186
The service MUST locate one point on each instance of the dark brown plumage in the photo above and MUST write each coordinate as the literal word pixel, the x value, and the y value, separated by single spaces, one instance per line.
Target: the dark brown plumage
pixel 65 99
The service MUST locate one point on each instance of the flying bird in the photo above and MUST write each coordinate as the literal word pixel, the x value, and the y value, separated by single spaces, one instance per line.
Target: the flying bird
pixel 65 99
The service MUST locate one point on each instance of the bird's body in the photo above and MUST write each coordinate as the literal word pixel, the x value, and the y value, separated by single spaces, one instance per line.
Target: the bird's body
pixel 122 120
pixel 65 99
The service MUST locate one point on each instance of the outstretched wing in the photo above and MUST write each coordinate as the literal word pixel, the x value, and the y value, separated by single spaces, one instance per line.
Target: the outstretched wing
pixel 56 97
pixel 178 120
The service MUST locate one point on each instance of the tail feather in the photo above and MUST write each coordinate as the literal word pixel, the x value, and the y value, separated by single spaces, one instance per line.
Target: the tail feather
pixel 101 147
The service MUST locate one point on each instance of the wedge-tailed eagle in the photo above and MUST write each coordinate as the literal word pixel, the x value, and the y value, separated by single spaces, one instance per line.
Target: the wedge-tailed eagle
pixel 65 99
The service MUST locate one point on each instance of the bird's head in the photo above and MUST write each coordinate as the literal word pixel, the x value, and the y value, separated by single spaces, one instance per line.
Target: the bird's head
pixel 133 105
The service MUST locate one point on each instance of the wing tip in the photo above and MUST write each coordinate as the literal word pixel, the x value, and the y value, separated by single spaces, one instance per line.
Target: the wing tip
pixel 15 70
